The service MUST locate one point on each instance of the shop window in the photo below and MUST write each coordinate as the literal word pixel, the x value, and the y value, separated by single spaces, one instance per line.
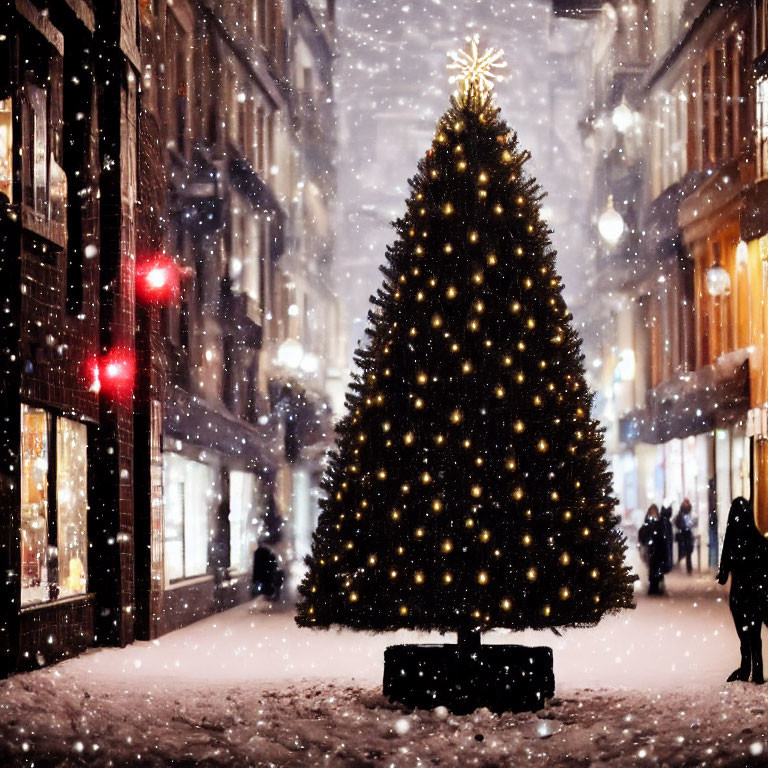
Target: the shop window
pixel 192 494
pixel 245 519
pixel 35 147
pixel 71 505
pixel 762 127
pixel 54 504
pixel 35 554
pixel 6 149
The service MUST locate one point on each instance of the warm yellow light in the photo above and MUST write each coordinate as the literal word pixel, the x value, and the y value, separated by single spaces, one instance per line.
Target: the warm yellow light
pixel 372 559
pixel 456 416
pixel 477 491
pixel 437 321
pixel 506 156
pixel 500 392
pixel 506 604
pixel 454 347
pixel 447 545
pixel 467 443
pixel 536 400
pixel 382 474
pixel 353 597
pixel 530 574
pixel 542 446
pixel 492 259
pixel 565 558
pixel 477 278
pixel 420 296
pixel 439 439
pixel 408 438
pixel 483 177
pixel 479 306
pixel 393 574
pixel 451 292
pixel 403 610
pixel 594 573
pixel 419 533
pixel 519 426
pixel 418 577
pixel 418 403
pixel 585 532
pixel 433 173
pixel 473 236
pixel 565 593
pixel 447 578
pixel 482 577
pixel 447 248
pixel 437 505
pixel 466 367
pixel 475 70
pixel 498 209
pixel 567 515
pixel 405 488
pixel 546 610
pixel 527 539
pixel 514 307
pixel 447 209
pixel 511 465
pixel 506 361
pixel 485 536
pixel 422 378
pixel 462 165
pixel 395 514
pixel 426 478
pixel 517 494
pixel 473 325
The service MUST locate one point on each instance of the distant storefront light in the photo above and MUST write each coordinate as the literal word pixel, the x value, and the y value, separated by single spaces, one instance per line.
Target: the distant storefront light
pixel 718 281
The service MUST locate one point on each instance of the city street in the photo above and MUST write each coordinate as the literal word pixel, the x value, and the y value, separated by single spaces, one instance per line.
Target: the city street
pixel 247 687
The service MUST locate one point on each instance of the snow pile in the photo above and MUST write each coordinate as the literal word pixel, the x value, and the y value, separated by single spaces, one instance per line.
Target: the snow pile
pixel 247 688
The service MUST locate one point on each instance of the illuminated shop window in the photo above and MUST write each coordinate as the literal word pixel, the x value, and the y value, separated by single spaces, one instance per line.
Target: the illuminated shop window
pixel 72 506
pixel 35 577
pixel 6 149
pixel 762 127
pixel 54 507
pixel 245 519
pixel 192 495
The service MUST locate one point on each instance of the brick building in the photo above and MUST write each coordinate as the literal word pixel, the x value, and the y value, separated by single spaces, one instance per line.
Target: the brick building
pixel 149 444
pixel 676 128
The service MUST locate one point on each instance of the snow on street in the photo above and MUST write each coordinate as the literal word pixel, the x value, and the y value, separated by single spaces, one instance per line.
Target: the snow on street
pixel 248 688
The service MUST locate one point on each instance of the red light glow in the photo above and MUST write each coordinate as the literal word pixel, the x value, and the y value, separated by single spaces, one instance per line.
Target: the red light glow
pixel 113 374
pixel 157 281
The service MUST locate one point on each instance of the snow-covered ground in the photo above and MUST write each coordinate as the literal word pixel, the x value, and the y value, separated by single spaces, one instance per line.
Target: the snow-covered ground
pixel 248 688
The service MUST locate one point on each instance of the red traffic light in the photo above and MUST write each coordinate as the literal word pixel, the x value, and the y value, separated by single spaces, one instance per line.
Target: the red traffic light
pixel 158 280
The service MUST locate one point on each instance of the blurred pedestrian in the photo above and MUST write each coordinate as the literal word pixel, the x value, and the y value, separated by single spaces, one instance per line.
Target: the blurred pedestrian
pixel 651 538
pixel 666 526
pixel 745 560
pixel 685 523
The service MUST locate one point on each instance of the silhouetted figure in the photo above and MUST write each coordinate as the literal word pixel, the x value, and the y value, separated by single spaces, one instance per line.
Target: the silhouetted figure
pixel 745 559
pixel 651 537
pixel 685 522
pixel 267 576
pixel 666 527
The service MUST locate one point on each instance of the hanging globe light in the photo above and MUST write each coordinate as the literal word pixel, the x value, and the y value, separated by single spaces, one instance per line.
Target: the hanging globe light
pixel 623 117
pixel 290 354
pixel 610 224
pixel 718 281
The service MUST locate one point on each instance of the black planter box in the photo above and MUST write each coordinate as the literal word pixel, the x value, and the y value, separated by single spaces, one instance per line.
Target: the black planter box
pixel 503 678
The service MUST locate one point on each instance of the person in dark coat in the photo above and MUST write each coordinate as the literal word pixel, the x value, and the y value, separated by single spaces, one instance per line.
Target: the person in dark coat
pixel 745 559
pixel 685 523
pixel 651 537
pixel 267 576
pixel 666 527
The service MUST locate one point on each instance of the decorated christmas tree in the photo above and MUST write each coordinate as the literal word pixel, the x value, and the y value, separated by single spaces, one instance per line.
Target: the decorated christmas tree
pixel 469 489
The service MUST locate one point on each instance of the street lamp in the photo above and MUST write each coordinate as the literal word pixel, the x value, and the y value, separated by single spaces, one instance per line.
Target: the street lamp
pixel 610 224
pixel 290 354
pixel 718 281
pixel 623 117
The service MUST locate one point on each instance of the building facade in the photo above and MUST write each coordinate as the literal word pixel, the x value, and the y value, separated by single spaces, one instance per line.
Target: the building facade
pixel 171 338
pixel 676 133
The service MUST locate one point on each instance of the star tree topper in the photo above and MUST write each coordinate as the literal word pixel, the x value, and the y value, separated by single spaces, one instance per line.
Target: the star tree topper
pixel 475 69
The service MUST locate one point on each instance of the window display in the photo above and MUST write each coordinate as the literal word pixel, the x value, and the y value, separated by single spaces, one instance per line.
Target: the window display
pixel 72 505
pixel 192 494
pixel 6 149
pixel 245 519
pixel 34 505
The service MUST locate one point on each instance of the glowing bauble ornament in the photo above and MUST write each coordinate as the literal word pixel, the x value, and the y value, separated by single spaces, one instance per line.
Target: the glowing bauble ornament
pixel 610 224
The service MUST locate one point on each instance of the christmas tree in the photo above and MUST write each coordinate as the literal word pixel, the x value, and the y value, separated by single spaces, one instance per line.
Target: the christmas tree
pixel 469 489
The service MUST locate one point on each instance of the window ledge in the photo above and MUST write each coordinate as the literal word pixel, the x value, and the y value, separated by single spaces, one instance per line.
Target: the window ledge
pixel 188 582
pixel 87 597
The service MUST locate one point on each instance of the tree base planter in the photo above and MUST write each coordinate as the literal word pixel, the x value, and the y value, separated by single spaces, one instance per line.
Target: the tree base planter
pixel 503 678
